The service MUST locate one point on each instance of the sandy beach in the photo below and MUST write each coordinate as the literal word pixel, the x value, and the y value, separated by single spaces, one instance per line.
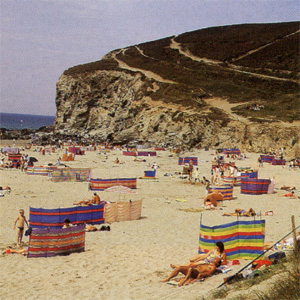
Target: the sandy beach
pixel 130 261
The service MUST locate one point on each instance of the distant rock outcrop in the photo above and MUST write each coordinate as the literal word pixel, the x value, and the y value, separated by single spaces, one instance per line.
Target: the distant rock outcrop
pixel 160 92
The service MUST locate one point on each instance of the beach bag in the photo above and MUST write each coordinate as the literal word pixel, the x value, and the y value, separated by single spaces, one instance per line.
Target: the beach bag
pixel 276 257
pixel 28 231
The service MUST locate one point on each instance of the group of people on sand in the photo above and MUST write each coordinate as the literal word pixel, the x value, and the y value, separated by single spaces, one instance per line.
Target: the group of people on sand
pixel 200 266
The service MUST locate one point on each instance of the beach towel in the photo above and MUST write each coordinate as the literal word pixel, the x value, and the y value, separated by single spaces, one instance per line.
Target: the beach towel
pixel 51 242
pixel 242 239
pixel 54 218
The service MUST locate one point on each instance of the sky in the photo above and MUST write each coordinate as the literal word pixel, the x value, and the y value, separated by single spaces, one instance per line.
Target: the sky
pixel 40 39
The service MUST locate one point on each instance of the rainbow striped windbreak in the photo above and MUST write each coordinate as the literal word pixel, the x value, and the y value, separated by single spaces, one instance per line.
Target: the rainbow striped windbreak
pixel 54 218
pixel 242 239
pixel 51 242
pixel 41 170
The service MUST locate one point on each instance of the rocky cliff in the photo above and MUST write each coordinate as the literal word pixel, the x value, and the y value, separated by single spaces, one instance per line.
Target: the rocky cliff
pixel 173 92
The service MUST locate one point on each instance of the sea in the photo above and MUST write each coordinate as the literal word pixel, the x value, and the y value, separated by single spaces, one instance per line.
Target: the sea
pixel 20 121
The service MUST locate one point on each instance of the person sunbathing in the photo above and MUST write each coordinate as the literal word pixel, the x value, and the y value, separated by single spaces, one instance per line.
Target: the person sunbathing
pixel 208 257
pixel 289 195
pixel 242 213
pixel 194 272
pixel 22 251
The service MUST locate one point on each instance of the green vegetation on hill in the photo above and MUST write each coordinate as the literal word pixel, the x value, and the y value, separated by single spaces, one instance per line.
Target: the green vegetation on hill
pixel 254 63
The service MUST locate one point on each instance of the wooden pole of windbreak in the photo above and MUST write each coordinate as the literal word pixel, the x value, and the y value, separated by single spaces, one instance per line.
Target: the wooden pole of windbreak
pixel 294 232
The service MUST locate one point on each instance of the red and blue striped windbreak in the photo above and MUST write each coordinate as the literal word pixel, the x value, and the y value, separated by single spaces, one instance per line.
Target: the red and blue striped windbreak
pixel 280 162
pixel 267 158
pixel 54 218
pixel 48 242
pixel 186 160
pixel 146 153
pixel 242 239
pixel 103 184
pixel 253 186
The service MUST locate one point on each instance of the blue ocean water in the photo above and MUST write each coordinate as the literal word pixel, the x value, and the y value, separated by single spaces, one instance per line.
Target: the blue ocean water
pixel 19 121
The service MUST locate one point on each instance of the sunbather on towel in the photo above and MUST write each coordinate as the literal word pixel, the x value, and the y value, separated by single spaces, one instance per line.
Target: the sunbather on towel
pixel 289 195
pixel 242 213
pixel 197 272
pixel 22 251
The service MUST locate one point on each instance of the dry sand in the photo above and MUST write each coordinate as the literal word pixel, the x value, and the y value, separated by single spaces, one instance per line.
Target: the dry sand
pixel 129 261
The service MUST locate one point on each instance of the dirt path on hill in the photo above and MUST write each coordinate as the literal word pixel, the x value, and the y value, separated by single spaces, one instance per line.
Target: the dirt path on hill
pixel 187 53
pixel 226 106
pixel 148 74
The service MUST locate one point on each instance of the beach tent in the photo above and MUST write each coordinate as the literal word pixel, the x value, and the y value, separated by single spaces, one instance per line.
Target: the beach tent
pixel 146 153
pixel 267 158
pixel 252 186
pixel 54 218
pixel 242 239
pixel 149 174
pixel 226 191
pixel 48 242
pixel 71 174
pixel 279 162
pixel 103 184
pixel 186 161
pixel 122 211
pixel 41 170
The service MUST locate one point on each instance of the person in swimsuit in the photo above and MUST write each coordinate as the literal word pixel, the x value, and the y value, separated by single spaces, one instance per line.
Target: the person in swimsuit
pixel 194 271
pixel 22 251
pixel 242 213
pixel 21 219
pixel 208 257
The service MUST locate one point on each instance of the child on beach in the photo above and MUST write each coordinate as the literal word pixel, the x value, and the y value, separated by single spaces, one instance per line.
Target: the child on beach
pixel 21 219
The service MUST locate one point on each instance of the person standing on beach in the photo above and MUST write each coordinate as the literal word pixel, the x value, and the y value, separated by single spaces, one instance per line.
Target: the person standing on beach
pixel 21 219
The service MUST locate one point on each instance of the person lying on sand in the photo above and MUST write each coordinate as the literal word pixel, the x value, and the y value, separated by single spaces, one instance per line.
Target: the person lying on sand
pixel 89 228
pixel 242 213
pixel 289 195
pixel 194 272
pixel 22 251
pixel 287 188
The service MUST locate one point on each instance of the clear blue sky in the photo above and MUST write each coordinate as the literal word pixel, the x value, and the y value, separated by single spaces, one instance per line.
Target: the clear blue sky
pixel 42 38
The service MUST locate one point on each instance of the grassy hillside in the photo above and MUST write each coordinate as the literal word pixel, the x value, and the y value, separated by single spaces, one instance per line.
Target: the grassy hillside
pixel 252 63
